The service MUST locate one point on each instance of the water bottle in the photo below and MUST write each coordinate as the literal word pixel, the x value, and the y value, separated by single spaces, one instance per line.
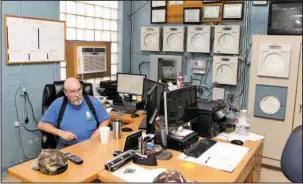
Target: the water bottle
pixel 242 123
pixel 116 129
pixel 180 80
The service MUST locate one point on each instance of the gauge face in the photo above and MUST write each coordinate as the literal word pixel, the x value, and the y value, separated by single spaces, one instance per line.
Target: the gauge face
pixel 270 104
pixel 224 71
pixel 198 40
pixel 149 40
pixel 173 41
pixel 226 42
pixel 274 63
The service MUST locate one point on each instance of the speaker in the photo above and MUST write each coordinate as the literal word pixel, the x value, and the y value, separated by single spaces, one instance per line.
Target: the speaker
pixel 161 138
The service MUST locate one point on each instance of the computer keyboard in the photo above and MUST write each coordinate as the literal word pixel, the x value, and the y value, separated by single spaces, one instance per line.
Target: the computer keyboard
pixel 127 109
pixel 199 147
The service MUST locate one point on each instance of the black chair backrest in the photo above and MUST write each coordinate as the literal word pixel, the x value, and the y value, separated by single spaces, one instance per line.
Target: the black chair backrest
pixel 50 93
pixel 291 160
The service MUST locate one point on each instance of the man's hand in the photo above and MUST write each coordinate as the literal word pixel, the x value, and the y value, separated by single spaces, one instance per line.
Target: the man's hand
pixel 68 136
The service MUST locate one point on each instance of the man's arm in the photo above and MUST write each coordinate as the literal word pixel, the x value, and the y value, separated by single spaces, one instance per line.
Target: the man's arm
pixel 96 134
pixel 47 127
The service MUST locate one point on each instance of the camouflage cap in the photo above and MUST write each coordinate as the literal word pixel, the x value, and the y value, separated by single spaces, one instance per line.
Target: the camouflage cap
pixel 52 162
pixel 170 176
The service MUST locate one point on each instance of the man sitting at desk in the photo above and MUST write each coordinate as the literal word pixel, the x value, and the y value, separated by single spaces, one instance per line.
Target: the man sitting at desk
pixel 78 123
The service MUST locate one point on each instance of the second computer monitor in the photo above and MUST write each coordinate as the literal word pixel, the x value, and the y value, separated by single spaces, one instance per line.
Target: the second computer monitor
pixel 148 84
pixel 152 110
pixel 176 107
pixel 131 84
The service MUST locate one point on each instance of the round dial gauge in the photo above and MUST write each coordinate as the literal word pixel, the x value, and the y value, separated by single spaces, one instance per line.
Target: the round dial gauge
pixel 226 41
pixel 274 63
pixel 173 41
pixel 224 71
pixel 198 40
pixel 149 40
pixel 270 104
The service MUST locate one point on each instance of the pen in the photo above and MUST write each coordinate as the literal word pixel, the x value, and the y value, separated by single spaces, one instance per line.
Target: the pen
pixel 207 159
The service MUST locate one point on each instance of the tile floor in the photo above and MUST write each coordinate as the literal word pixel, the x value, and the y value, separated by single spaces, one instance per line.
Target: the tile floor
pixel 267 175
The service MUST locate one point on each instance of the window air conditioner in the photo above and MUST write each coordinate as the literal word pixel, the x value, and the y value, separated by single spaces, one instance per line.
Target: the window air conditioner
pixel 91 60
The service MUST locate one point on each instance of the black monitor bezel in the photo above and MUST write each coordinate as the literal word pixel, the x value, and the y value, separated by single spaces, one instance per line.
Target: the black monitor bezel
pixel 150 128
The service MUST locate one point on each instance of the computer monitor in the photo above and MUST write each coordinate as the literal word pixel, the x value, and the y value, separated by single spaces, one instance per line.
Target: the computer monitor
pixel 152 111
pixel 176 105
pixel 148 84
pixel 131 141
pixel 131 84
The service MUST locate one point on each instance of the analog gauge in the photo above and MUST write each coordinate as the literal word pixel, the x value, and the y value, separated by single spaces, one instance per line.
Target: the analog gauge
pixel 173 41
pixel 270 104
pixel 198 40
pixel 274 63
pixel 226 42
pixel 224 71
pixel 149 40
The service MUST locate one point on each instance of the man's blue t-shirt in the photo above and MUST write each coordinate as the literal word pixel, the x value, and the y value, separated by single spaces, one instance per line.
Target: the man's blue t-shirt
pixel 76 119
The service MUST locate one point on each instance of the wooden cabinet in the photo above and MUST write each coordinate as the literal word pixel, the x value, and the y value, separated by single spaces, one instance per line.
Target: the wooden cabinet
pixel 72 62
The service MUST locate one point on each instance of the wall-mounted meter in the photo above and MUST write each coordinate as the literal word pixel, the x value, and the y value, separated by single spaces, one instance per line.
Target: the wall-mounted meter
pixel 225 69
pixel 150 38
pixel 227 39
pixel 173 38
pixel 198 39
pixel 198 66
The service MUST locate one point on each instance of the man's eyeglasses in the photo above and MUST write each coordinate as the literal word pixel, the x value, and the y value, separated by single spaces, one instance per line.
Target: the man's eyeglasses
pixel 73 92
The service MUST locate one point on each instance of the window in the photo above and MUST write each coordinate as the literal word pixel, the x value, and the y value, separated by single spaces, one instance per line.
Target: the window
pixel 92 21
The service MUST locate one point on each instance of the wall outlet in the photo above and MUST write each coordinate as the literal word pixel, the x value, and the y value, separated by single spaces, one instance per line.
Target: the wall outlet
pixel 17 123
pixel 23 91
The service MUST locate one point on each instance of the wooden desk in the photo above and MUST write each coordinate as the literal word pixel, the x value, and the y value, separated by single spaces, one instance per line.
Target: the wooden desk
pixel 248 169
pixel 92 152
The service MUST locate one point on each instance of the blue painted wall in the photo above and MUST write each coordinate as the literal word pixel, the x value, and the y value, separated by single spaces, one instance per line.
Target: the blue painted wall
pixel 35 76
pixel 258 17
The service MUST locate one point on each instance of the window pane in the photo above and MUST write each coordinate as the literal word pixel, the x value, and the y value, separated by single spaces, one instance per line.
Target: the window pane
pixel 98 35
pixel 62 6
pixel 113 77
pixel 98 24
pixel 63 73
pixel 100 3
pixel 113 69
pixel 113 37
pixel 90 10
pixel 62 16
pixel 90 35
pixel 71 7
pixel 106 36
pixel 114 47
pixel 98 11
pixel 90 80
pixel 106 78
pixel 80 34
pixel 114 59
pixel 114 4
pixel 114 14
pixel 106 24
pixel 80 22
pixel 98 80
pixel 90 23
pixel 63 64
pixel 106 4
pixel 70 20
pixel 70 33
pixel 81 8
pixel 106 13
pixel 114 25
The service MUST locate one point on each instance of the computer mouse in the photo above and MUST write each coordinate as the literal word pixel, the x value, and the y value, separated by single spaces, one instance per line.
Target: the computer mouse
pixel 126 129
pixel 237 142
pixel 116 153
pixel 134 115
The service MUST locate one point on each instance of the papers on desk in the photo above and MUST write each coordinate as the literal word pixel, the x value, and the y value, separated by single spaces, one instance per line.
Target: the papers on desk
pixel 233 136
pixel 221 156
pixel 139 174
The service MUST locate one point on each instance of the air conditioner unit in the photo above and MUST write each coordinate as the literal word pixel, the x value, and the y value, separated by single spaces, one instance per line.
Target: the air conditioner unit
pixel 91 59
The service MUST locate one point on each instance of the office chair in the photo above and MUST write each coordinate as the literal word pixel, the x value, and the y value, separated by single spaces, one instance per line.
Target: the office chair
pixel 50 93
pixel 291 160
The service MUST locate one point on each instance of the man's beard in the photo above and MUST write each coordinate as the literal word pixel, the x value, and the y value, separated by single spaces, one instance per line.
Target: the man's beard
pixel 77 102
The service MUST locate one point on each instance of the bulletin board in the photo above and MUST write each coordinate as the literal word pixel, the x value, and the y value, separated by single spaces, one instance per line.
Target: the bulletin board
pixel 33 40
pixel 175 12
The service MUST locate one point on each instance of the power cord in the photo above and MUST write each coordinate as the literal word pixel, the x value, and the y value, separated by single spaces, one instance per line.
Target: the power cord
pixel 26 94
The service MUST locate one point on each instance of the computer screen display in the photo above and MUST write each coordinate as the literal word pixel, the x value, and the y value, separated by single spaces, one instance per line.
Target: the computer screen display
pixel 285 18
pixel 151 106
pixel 131 84
pixel 176 105
pixel 148 84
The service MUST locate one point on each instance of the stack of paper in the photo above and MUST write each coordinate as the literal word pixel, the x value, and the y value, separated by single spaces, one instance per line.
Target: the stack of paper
pixel 139 174
pixel 221 156
pixel 234 136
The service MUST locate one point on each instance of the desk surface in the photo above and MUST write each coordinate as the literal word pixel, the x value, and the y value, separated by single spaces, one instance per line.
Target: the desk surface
pixel 92 152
